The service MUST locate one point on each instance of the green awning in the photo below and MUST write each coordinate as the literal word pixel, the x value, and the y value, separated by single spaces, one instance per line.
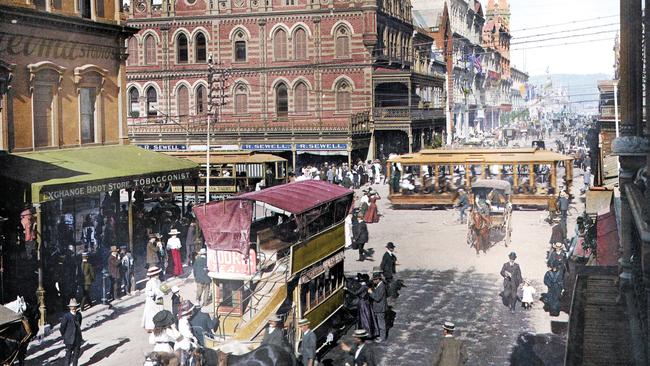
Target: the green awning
pixel 54 174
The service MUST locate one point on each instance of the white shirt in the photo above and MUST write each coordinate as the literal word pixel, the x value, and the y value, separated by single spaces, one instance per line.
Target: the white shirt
pixel 527 294
pixel 174 243
pixel 356 354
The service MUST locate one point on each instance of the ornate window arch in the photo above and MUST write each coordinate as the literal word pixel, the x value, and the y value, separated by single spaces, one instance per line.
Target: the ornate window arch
pixel 151 96
pixel 134 102
pixel 200 47
pixel 45 86
pixel 182 102
pixel 89 80
pixel 300 44
pixel 240 46
pixel 241 98
pixel 201 99
pixel 182 48
pixel 280 44
pixel 343 96
pixel 133 51
pixel 301 98
pixel 342 42
pixel 282 100
pixel 150 50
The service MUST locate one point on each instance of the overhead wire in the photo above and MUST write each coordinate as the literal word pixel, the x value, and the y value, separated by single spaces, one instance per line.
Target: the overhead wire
pixel 565 23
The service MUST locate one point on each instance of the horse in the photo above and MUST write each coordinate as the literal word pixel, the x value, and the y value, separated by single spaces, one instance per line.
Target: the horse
pixel 480 226
pixel 264 355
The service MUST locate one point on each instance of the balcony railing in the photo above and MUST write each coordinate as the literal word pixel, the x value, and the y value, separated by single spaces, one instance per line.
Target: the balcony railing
pixel 393 114
pixel 194 125
pixel 607 112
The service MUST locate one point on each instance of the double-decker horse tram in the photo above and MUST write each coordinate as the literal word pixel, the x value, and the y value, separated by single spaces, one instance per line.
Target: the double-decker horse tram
pixel 277 252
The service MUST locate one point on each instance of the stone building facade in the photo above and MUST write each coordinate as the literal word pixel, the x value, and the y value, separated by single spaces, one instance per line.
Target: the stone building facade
pixel 310 81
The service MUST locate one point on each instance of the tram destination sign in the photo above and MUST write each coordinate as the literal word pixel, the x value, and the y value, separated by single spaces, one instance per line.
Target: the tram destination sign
pixel 82 189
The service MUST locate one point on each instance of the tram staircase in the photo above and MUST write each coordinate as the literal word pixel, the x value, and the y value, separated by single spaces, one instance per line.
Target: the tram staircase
pixel 269 294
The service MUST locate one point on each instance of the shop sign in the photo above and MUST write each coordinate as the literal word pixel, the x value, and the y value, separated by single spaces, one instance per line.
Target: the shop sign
pixel 163 147
pixel 214 147
pixel 321 147
pixel 328 263
pixel 51 193
pixel 226 261
pixel 46 48
pixel 266 147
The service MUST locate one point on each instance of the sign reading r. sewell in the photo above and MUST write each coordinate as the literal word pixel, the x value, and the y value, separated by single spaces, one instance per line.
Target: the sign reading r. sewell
pixel 82 189
pixel 321 147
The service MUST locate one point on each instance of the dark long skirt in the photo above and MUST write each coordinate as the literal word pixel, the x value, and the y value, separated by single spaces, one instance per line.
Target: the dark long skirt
pixel 365 318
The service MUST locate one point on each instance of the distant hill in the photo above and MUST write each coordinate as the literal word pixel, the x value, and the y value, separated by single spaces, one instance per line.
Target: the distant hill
pixel 582 88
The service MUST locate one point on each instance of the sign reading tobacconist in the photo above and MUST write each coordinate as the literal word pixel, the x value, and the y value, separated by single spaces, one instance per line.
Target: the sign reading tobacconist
pixel 82 189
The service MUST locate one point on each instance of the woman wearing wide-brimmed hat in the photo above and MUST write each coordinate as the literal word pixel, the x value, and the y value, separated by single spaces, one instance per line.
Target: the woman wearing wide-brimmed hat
pixel 153 298
pixel 164 333
pixel 174 246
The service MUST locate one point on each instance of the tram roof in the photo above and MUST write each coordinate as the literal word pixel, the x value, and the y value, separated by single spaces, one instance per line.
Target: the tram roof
pixel 230 157
pixel 297 197
pixel 493 156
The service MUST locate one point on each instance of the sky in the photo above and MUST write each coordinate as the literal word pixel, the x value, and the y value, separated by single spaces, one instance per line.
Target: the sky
pixel 596 56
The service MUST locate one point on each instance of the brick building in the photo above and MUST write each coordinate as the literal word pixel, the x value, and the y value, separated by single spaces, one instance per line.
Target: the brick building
pixel 311 81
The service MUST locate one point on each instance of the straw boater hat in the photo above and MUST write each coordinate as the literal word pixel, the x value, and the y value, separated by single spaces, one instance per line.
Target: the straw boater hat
pixel 448 326
pixel 84 255
pixel 360 333
pixel 152 271
pixel 187 308
pixel 202 251
pixel 163 318
pixel 174 232
pixel 275 318
pixel 303 321
pixel 175 289
pixel 73 303
pixel 558 245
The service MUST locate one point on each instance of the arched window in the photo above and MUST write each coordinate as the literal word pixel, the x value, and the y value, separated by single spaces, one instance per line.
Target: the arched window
pixel 134 103
pixel 300 96
pixel 149 50
pixel 239 46
pixel 281 100
pixel 133 51
pixel 300 44
pixel 45 84
pixel 241 99
pixel 181 49
pixel 280 45
pixel 343 95
pixel 152 102
pixel 342 42
pixel 182 103
pixel 89 100
pixel 200 48
pixel 201 100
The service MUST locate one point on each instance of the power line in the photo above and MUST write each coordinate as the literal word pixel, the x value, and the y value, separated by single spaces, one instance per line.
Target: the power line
pixel 564 37
pixel 565 31
pixel 563 44
pixel 558 24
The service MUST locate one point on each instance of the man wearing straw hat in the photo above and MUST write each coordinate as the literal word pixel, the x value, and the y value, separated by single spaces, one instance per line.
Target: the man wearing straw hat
pixel 363 355
pixel 114 271
pixel 71 333
pixel 273 333
pixel 152 250
pixel 308 345
pixel 451 351
pixel 201 278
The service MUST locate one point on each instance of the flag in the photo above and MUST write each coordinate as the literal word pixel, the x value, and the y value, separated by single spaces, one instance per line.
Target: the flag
pixel 477 65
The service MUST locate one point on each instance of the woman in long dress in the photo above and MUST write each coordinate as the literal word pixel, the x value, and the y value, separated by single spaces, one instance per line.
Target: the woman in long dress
pixel 153 298
pixel 365 317
pixel 372 214
pixel 174 246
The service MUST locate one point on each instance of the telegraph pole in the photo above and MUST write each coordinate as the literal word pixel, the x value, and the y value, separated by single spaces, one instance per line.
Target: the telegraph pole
pixel 217 77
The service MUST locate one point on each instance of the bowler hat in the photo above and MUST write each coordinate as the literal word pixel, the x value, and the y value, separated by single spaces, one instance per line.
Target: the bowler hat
pixel 512 255
pixel 390 245
pixel 377 275
pixel 303 321
pixel 163 318
pixel 448 326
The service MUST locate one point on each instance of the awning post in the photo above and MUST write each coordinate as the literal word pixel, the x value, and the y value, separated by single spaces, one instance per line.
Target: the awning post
pixel 40 291
pixel 130 218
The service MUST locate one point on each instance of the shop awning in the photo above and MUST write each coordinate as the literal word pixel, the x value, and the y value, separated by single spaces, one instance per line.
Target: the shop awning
pixel 608 252
pixel 598 201
pixel 54 174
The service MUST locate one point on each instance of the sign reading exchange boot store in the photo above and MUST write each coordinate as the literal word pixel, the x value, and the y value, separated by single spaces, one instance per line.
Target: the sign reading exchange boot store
pixel 82 189
pixel 24 45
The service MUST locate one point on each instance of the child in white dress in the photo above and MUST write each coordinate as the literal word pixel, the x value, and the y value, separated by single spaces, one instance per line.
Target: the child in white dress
pixel 527 295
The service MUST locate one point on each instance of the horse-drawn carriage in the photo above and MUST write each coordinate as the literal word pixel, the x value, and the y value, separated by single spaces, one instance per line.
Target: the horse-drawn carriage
pixel 15 334
pixel 491 211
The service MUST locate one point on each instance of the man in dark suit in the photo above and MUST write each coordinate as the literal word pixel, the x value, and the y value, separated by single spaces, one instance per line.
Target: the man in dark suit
pixel 71 333
pixel 308 344
pixel 360 235
pixel 273 333
pixel 451 351
pixel 204 321
pixel 363 355
pixel 379 304
pixel 388 263
pixel 511 274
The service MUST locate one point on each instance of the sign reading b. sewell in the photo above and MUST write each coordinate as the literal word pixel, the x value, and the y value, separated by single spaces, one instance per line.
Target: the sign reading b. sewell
pixel 49 193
